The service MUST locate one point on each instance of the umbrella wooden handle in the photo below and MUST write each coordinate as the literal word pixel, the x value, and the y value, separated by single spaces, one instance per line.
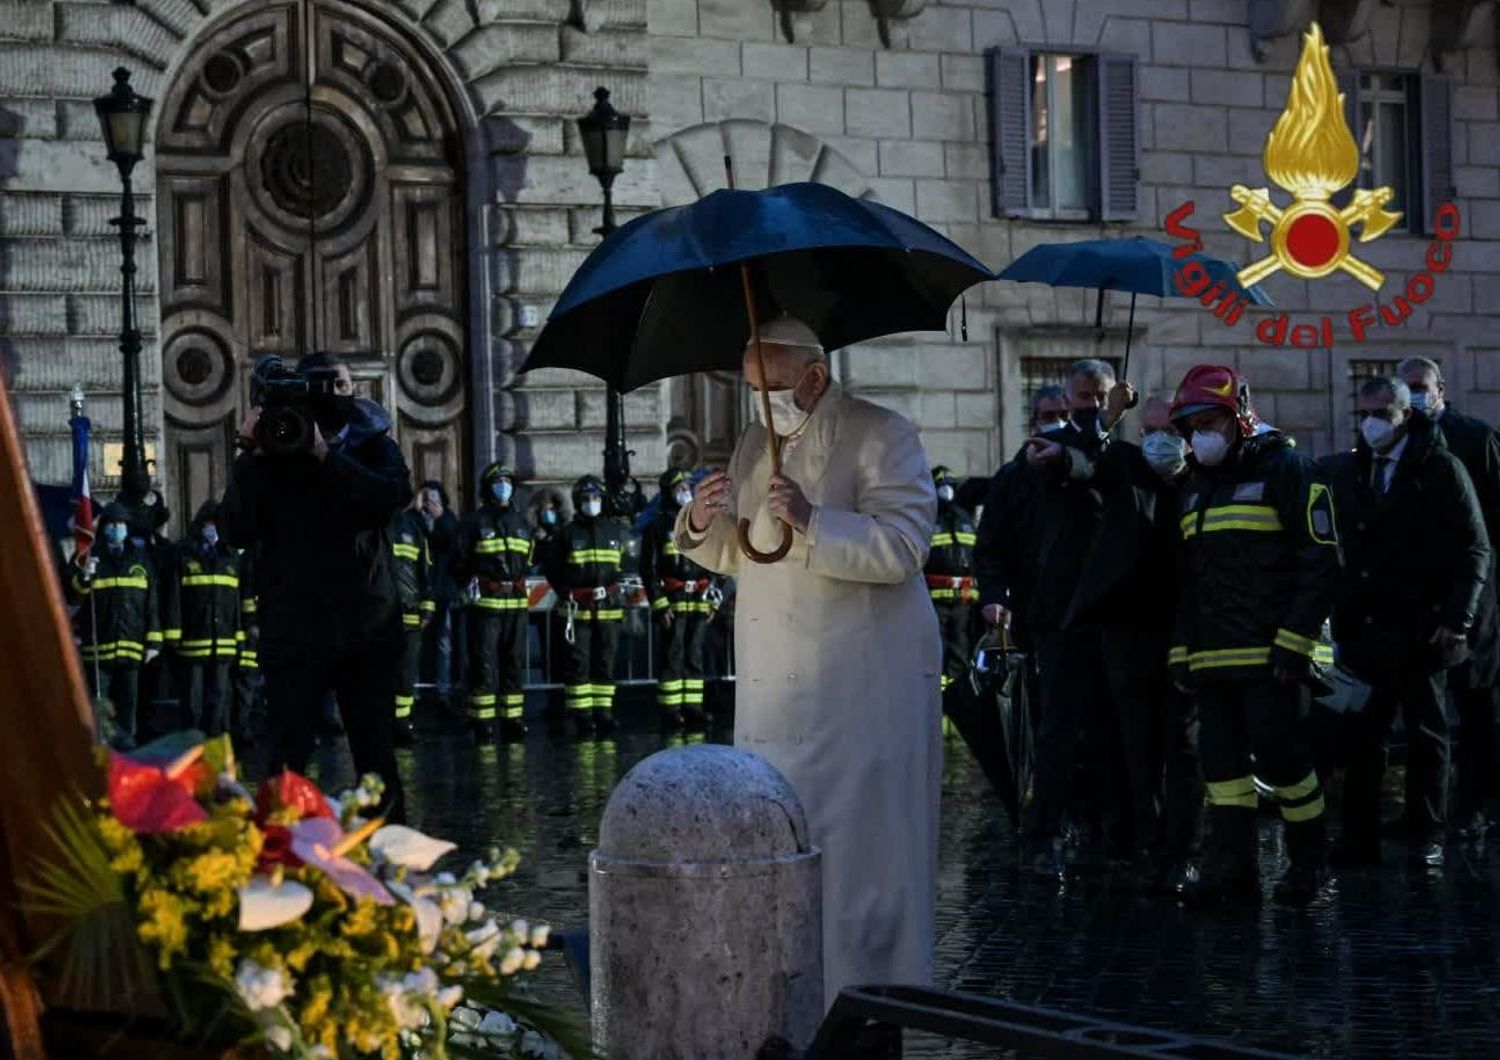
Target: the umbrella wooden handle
pixel 764 557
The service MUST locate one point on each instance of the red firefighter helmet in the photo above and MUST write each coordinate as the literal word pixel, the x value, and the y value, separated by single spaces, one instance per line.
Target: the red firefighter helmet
pixel 1213 386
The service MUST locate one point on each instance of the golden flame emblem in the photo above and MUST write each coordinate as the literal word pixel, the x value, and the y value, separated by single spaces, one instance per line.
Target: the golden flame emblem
pixel 1311 154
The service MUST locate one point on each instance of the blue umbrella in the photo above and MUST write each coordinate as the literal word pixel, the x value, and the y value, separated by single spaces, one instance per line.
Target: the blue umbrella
pixel 1137 265
pixel 665 295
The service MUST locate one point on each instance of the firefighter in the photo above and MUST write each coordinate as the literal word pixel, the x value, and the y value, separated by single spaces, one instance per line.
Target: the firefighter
pixel 494 551
pixel 247 722
pixel 413 573
pixel 119 631
pixel 682 598
pixel 950 575
pixel 202 627
pixel 583 565
pixel 1261 561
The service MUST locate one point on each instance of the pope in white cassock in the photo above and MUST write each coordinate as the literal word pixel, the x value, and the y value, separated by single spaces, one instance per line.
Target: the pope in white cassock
pixel 837 647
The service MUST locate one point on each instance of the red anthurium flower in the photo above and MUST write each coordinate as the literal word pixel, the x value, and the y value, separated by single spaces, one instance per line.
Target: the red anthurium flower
pixel 151 799
pixel 277 848
pixel 291 791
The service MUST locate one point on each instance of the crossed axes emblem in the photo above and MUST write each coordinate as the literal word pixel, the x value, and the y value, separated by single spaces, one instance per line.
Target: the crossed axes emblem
pixel 1311 238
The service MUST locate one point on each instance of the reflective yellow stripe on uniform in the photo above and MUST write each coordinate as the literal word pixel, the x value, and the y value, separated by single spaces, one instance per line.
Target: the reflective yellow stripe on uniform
pixel 1177 656
pixel 671 693
pixel 230 581
pixel 595 555
pixel 121 583
pixel 482 706
pixel 404 705
pixel 604 614
pixel 411 619
pixel 514 704
pixel 941 539
pixel 1285 638
pixel 1301 801
pixel 965 537
pixel 1261 517
pixel 405 551
pixel 250 605
pixel 943 594
pixel 1237 792
pixel 501 603
pixel 691 607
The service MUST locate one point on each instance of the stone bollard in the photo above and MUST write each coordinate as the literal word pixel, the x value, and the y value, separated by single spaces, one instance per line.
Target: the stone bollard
pixel 705 911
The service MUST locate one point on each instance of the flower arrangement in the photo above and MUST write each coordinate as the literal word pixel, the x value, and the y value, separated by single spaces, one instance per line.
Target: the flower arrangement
pixel 287 918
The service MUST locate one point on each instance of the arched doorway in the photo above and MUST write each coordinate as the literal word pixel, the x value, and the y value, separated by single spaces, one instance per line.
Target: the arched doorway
pixel 355 245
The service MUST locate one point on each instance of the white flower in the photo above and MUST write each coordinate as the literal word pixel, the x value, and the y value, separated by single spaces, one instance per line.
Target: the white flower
pixel 398 845
pixel 497 1025
pixel 445 879
pixel 539 936
pixel 450 996
pixel 454 903
pixel 476 911
pixel 511 963
pixel 265 904
pixel 429 916
pixel 520 929
pixel 424 982
pixel 278 1036
pixel 533 961
pixel 260 988
pixel 485 941
pixel 465 1018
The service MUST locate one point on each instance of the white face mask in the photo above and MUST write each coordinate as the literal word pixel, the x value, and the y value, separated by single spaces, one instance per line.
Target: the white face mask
pixel 1379 434
pixel 1210 448
pixel 1164 451
pixel 786 417
pixel 592 507
pixel 945 493
pixel 684 498
pixel 1050 426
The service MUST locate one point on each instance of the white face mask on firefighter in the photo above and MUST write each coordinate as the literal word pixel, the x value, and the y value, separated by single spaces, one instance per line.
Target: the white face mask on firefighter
pixel 1210 448
pixel 1164 451
pixel 945 492
pixel 1378 433
pixel 592 507
pixel 786 417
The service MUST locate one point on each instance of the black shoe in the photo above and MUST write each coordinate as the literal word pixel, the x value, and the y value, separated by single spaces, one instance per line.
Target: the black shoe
pixel 578 723
pixel 512 729
pixel 1476 825
pixel 694 719
pixel 1174 877
pixel 604 720
pixel 671 720
pixel 402 734
pixel 1426 853
pixel 1236 886
pixel 1353 854
pixel 1300 885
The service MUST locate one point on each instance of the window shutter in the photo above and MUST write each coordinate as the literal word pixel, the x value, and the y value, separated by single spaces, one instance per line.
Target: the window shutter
pixel 1435 100
pixel 1349 85
pixel 1119 145
pixel 1010 88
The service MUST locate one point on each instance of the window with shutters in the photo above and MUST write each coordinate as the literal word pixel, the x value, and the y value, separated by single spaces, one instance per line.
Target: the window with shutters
pixel 1063 134
pixel 1403 126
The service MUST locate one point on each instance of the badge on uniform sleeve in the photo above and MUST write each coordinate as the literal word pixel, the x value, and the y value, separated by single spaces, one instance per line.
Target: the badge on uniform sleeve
pixel 1320 523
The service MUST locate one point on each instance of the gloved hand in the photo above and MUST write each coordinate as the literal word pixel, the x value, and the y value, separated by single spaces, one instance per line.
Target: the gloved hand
pixel 664 618
pixel 90 568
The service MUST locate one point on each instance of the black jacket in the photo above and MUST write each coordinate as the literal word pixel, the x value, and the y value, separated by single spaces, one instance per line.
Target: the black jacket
pixel 953 541
pixel 670 578
pixel 1069 514
pixel 120 622
pixel 586 554
pixel 1416 557
pixel 443 549
pixel 1259 565
pixel 1005 543
pixel 495 545
pixel 202 598
pixel 1477 447
pixel 323 574
pixel 412 566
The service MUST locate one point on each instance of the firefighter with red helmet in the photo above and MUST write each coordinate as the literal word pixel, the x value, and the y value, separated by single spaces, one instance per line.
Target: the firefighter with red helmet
pixel 1261 560
pixel 682 598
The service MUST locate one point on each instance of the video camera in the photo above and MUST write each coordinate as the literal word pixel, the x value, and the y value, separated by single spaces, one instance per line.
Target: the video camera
pixel 291 403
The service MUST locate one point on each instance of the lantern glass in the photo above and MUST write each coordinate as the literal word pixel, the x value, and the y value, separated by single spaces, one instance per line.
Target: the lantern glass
pixel 122 118
pixel 604 131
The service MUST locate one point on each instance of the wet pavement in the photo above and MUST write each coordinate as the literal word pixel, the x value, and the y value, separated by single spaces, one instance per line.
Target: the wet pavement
pixel 1396 962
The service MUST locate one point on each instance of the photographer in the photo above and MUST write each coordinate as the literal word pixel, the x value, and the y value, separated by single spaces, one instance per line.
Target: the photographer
pixel 316 488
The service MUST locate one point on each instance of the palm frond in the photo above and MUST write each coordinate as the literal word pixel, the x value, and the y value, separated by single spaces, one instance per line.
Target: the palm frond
pixel 99 957
pixel 567 1027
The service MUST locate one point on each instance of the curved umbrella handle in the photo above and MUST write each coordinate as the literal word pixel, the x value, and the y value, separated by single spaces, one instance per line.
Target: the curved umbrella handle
pixel 765 557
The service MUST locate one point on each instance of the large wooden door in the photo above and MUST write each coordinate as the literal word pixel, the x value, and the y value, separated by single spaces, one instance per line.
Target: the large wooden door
pixel 309 196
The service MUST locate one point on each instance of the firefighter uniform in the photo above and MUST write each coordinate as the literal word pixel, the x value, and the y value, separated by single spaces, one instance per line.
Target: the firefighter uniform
pixel 494 552
pixel 1261 561
pixel 583 565
pixel 247 663
pixel 679 588
pixel 412 569
pixel 202 625
pixel 118 622
pixel 950 576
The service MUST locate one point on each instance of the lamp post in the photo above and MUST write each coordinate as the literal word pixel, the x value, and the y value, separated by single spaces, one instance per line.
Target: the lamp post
pixel 604 131
pixel 122 115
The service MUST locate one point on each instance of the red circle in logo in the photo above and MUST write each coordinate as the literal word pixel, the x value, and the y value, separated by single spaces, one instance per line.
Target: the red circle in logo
pixel 1312 240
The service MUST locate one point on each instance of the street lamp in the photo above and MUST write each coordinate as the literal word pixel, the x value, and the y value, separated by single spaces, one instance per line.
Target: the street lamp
pixel 122 116
pixel 604 131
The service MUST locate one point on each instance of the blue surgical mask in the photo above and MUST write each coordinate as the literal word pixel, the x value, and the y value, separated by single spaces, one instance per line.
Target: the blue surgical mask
pixel 945 492
pixel 1421 401
pixel 502 491
pixel 1164 451
pixel 549 516
pixel 210 535
pixel 114 535
pixel 592 507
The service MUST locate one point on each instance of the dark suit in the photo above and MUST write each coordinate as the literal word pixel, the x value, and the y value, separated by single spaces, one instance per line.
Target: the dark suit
pixel 1417 557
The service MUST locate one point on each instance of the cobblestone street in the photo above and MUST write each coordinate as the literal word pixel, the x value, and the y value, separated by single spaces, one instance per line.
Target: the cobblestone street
pixel 1392 964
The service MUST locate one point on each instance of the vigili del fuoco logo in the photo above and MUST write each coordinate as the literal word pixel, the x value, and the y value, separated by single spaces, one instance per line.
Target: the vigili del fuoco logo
pixel 1312 156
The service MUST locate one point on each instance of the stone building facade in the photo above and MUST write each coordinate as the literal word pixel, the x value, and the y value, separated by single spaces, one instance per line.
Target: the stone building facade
pixel 446 201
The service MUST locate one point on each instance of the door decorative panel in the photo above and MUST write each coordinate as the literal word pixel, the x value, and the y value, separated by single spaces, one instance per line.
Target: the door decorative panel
pixel 309 196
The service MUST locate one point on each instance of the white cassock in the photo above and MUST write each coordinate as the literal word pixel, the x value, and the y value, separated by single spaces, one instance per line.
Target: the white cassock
pixel 838 659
